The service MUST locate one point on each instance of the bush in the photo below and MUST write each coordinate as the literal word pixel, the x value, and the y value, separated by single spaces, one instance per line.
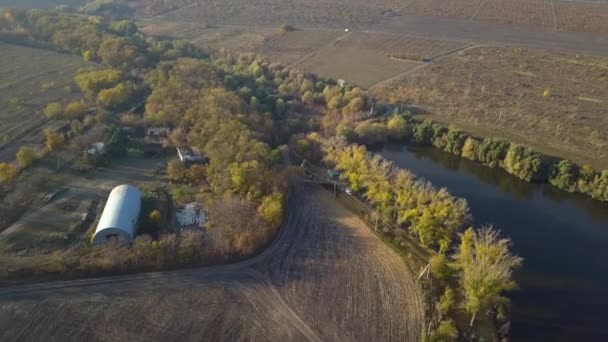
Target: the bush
pixel 397 127
pixel 75 110
pixel 523 162
pixel 53 110
pixel 271 209
pixel 26 156
pixel 564 175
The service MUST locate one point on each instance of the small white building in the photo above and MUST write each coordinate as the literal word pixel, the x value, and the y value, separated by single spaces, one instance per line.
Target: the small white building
pixel 97 148
pixel 120 215
pixel 192 215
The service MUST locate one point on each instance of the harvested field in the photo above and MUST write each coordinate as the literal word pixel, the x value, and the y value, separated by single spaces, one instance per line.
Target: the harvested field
pixel 357 66
pixel 584 17
pixel 234 38
pixel 453 8
pixel 40 3
pixel 571 16
pixel 34 77
pixel 340 278
pixel 293 46
pixel 327 277
pixel 500 91
pixel 299 13
pixel 173 29
pixel 399 46
pixel 518 12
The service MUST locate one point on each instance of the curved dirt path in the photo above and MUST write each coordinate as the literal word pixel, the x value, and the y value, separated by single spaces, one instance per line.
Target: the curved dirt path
pixel 326 277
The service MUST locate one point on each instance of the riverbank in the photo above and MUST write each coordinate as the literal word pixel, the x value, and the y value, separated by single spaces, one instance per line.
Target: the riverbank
pixel 518 160
pixel 563 238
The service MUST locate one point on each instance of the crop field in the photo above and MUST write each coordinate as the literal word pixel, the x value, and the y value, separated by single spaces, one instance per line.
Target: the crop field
pixel 234 38
pixel 309 13
pixel 327 277
pixel 294 46
pixel 518 12
pixel 572 16
pixel 325 274
pixel 40 3
pixel 501 92
pixel 399 46
pixel 445 8
pixel 173 29
pixel 34 78
pixel 357 66
pixel 579 16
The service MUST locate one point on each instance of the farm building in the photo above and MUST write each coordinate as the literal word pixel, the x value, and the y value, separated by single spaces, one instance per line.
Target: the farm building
pixel 190 155
pixel 119 216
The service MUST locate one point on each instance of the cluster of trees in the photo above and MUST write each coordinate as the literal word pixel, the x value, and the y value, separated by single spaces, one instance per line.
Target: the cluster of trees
pixel 518 160
pixel 114 43
pixel 482 267
pixel 432 215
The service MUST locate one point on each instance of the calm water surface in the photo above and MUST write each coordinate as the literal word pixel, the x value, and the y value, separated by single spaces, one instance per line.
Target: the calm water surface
pixel 562 237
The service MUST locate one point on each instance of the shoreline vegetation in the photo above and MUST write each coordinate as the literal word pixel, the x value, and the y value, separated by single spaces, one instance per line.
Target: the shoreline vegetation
pixel 516 159
pixel 241 110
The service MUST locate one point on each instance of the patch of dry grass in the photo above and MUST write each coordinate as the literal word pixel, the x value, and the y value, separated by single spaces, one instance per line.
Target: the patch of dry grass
pixel 500 91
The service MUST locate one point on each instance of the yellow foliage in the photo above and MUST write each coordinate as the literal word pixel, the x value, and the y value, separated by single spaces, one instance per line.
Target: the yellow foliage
pixel 7 173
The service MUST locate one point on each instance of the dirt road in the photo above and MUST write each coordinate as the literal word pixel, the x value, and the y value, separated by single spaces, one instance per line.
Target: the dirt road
pixel 326 277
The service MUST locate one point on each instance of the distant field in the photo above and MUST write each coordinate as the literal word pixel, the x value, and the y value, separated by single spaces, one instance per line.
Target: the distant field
pixel 575 16
pixel 311 13
pixel 294 46
pixel 517 12
pixel 41 3
pixel 499 91
pixel 362 67
pixel 235 38
pixel 395 45
pixel 29 79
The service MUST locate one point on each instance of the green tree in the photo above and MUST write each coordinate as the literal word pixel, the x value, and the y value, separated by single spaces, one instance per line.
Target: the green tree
pixel 124 27
pixel 154 218
pixel 26 156
pixel 175 170
pixel 54 140
pixel 523 162
pixel 75 110
pixel 271 209
pixel 53 110
pixel 92 81
pixel 564 175
pixel 486 265
pixel 469 149
pixel 117 51
pixel 8 173
pixel 397 127
pixel 447 301
pixel 115 97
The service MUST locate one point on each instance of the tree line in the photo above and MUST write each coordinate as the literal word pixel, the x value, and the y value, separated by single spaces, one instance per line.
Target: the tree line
pixel 518 160
pixel 473 273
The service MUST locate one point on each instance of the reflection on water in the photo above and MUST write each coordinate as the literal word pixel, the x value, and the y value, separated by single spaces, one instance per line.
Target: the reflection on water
pixel 563 238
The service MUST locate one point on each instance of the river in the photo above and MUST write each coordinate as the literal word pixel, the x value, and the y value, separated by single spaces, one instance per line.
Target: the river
pixel 562 237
